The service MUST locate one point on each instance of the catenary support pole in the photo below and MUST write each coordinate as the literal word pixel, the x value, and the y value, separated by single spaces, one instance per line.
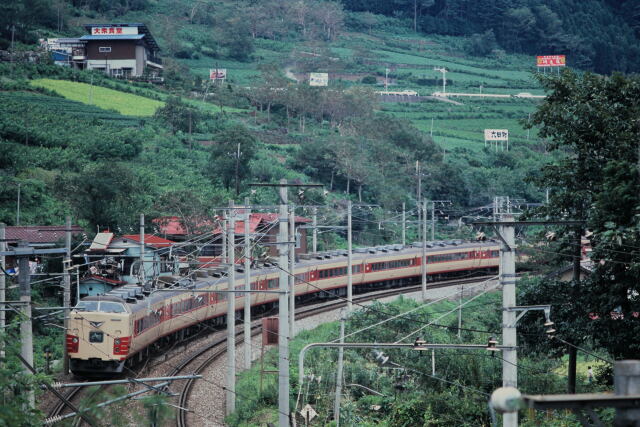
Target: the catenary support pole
pixel 292 277
pixel 508 283
pixel 433 220
pixel 338 397
pixel 142 266
pixel 423 259
pixel 283 312
pixel 460 310
pixel 231 314
pixel 224 237
pixel 247 285
pixel 404 225
pixel 314 245
pixel 66 297
pixel 26 332
pixel 3 284
pixel 419 195
pixel 349 259
pixel 573 352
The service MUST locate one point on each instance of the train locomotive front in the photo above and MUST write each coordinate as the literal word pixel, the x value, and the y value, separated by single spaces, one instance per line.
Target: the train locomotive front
pixel 99 335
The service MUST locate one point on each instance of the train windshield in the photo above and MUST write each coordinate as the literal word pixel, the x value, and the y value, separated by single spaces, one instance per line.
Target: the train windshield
pixel 101 306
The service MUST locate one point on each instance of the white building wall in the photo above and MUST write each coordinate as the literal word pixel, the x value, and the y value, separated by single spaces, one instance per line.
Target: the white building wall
pixel 114 64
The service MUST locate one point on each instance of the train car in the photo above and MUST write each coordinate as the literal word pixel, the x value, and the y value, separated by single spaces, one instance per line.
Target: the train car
pixel 106 332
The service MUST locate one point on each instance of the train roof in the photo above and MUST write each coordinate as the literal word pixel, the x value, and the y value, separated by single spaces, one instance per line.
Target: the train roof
pixel 127 294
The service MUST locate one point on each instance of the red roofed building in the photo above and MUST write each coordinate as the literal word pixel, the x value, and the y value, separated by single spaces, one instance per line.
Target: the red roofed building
pixel 266 223
pixel 150 240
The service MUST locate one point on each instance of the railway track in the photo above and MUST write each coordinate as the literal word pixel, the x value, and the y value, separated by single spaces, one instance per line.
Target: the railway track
pixel 218 347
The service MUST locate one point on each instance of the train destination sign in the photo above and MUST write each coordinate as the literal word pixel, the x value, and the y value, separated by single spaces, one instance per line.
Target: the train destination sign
pixel 496 134
pixel 551 61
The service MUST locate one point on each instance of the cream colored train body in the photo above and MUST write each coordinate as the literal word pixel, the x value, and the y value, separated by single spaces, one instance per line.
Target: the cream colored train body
pixel 123 326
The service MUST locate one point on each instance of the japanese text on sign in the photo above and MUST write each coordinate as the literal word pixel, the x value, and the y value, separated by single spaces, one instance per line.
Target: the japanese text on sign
pixel 113 31
pixel 496 135
pixel 551 61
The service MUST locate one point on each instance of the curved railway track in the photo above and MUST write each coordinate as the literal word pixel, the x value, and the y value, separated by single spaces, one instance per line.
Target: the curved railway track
pixel 218 347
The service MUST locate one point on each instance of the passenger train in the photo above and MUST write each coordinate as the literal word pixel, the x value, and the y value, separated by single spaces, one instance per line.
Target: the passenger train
pixel 110 331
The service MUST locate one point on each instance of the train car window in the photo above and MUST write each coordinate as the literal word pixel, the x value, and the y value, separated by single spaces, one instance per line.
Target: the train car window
pixel 87 306
pixel 272 283
pixel 495 254
pixel 112 307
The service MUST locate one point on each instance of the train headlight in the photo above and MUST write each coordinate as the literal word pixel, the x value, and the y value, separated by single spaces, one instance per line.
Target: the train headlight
pixel 74 340
pixel 116 341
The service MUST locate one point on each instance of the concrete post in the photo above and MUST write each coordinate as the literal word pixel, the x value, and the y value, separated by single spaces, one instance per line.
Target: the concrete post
pixel 66 299
pixel 3 284
pixel 315 230
pixel 283 312
pixel 349 259
pixel 627 382
pixel 338 397
pixel 292 277
pixel 404 225
pixel 142 266
pixel 508 283
pixel 224 237
pixel 433 221
pixel 231 315
pixel 423 261
pixel 247 286
pixel 26 332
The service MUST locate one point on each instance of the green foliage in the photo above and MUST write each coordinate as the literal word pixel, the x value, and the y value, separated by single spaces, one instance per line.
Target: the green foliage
pixel 15 384
pixel 528 26
pixel 178 115
pixel 597 181
pixel 411 396
pixel 232 151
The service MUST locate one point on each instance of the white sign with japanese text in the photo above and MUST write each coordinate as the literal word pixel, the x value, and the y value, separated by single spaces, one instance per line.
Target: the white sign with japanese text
pixel 496 135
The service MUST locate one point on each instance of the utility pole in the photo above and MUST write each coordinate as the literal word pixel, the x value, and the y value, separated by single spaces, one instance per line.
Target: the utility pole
pixel 19 188
pixel 142 267
pixel 573 352
pixel 315 230
pixel 3 284
pixel 419 194
pixel 283 312
pixel 26 332
pixel 224 237
pixel 231 314
pixel 423 261
pixel 460 310
pixel 66 299
pixel 431 130
pixel 404 225
pixel 247 286
pixel 349 260
pixel 292 277
pixel 386 79
pixel 444 78
pixel 338 397
pixel 433 220
pixel 508 283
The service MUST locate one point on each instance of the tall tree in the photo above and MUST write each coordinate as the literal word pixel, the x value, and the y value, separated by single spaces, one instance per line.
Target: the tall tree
pixel 593 121
pixel 230 155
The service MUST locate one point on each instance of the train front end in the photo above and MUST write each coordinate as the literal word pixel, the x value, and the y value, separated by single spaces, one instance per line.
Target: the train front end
pixel 99 336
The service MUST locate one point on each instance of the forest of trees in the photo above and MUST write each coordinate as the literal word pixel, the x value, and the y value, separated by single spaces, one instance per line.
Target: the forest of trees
pixel 595 34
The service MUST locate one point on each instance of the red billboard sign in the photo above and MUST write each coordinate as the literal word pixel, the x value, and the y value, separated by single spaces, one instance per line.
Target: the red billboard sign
pixel 551 61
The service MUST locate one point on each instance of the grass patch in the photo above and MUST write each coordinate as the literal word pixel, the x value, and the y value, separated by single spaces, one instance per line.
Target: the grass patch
pixel 109 99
